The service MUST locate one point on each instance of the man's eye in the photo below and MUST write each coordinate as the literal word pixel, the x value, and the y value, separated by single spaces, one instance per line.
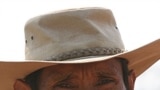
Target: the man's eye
pixel 105 81
pixel 65 85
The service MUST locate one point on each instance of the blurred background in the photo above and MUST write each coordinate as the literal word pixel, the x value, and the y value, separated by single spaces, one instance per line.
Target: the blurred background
pixel 137 20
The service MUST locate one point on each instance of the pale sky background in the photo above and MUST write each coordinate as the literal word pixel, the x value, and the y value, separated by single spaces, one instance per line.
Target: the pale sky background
pixel 137 20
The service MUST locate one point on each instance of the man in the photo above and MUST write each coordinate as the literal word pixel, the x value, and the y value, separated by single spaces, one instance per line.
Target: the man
pixel 79 49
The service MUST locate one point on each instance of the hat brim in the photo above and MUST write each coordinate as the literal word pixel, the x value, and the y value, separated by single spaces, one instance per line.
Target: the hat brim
pixel 139 60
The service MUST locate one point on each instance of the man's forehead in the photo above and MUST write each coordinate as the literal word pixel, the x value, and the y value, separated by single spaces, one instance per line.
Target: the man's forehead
pixel 78 72
pixel 90 74
pixel 108 66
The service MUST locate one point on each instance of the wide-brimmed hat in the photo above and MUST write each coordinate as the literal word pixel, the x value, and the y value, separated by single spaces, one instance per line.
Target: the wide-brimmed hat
pixel 72 37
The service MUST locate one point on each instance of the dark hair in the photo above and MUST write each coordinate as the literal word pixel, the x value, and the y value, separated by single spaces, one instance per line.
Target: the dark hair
pixel 125 71
pixel 33 79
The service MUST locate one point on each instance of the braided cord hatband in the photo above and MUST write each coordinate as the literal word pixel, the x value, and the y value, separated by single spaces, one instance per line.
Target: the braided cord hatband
pixel 86 52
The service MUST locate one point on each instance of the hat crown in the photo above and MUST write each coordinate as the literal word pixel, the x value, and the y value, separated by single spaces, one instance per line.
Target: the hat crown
pixel 61 34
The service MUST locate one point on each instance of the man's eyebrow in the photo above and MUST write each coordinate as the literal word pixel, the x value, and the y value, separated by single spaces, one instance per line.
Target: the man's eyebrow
pixel 105 74
pixel 66 77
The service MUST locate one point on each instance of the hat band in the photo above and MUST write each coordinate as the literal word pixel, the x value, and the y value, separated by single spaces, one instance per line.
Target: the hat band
pixel 98 51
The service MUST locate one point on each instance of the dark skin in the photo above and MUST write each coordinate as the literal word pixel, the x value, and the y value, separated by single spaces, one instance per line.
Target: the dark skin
pixel 104 75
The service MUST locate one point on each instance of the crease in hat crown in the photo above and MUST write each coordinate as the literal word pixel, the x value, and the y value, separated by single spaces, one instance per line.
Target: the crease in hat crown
pixel 72 34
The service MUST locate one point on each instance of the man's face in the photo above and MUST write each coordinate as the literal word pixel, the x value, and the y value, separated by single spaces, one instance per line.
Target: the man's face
pixel 106 75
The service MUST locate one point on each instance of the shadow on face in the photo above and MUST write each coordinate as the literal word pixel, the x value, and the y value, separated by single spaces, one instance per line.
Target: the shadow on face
pixel 105 75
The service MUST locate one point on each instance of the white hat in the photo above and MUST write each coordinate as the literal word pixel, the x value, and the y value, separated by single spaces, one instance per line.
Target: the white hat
pixel 74 36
